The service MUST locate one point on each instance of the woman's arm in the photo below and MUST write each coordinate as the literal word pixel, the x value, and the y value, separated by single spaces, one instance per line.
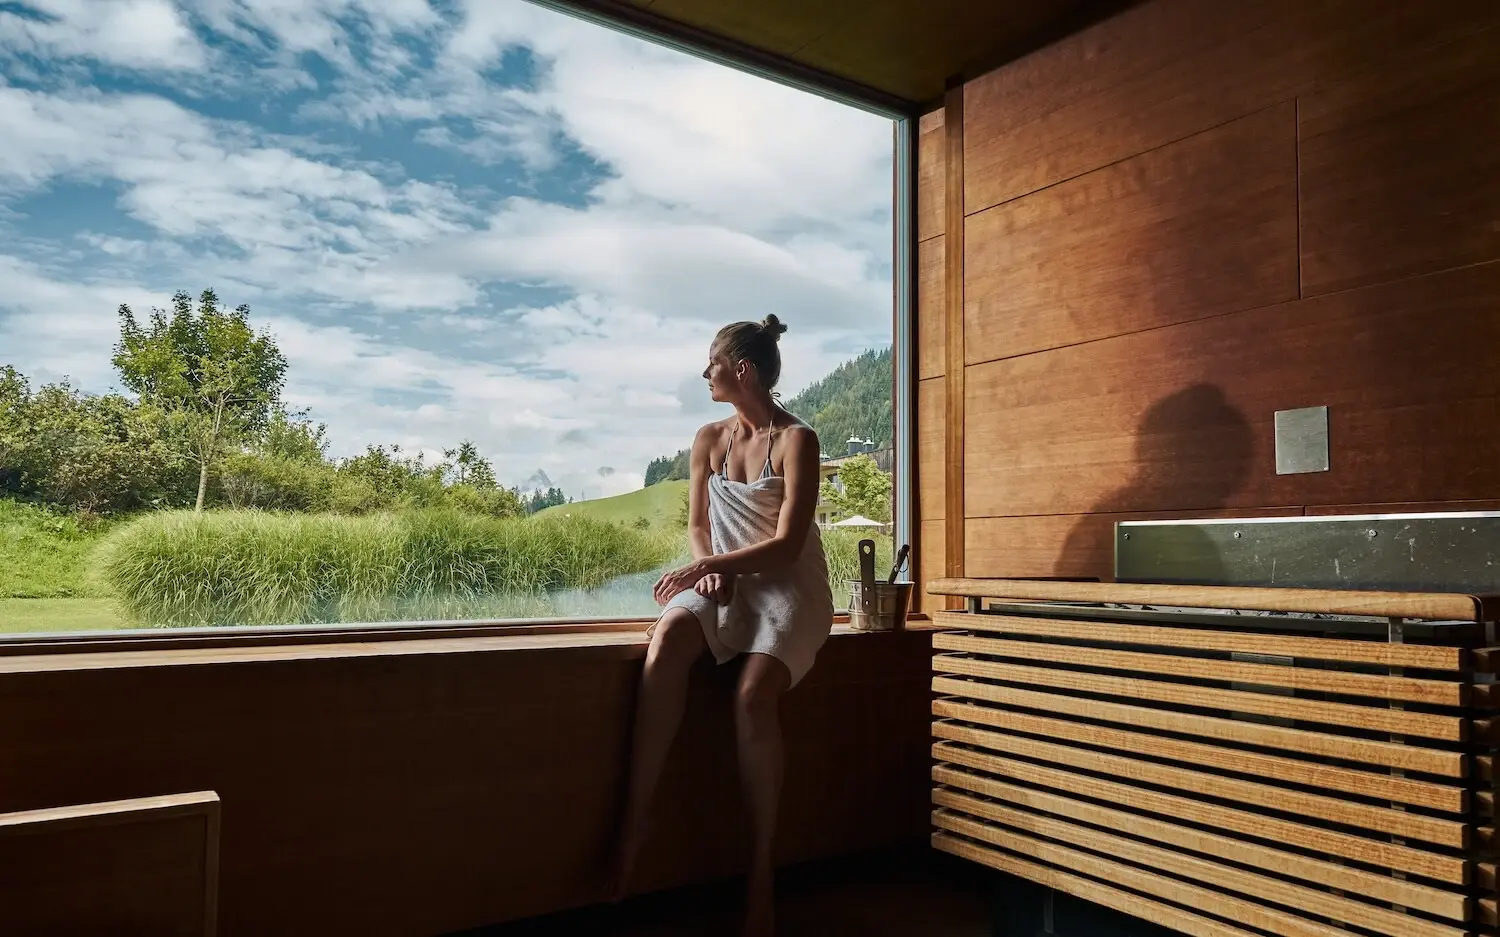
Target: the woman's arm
pixel 700 539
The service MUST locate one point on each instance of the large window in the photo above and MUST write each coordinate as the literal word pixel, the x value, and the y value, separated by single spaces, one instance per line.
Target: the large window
pixel 387 311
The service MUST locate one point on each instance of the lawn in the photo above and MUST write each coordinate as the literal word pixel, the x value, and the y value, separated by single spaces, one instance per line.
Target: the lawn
pixel 44 554
pixel 660 504
pixel 29 615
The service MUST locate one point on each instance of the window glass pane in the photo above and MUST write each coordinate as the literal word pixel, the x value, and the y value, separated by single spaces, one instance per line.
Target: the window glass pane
pixel 377 312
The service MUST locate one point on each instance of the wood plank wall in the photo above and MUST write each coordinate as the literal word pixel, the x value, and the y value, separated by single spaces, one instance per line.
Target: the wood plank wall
pixel 136 868
pixel 1188 217
pixel 413 794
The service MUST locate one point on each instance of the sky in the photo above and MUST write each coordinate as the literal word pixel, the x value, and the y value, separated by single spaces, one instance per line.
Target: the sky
pixel 460 219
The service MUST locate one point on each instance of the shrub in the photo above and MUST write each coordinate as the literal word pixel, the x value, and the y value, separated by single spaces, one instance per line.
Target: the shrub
pixel 254 567
pixel 276 483
pixel 96 454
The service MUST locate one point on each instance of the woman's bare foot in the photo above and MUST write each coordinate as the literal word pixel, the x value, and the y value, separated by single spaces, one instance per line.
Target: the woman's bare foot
pixel 760 906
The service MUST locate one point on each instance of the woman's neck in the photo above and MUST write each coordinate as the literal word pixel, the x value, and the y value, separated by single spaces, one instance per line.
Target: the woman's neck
pixel 757 414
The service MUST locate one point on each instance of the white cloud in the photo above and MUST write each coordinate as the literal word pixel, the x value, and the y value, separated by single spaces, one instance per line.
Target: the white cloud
pixel 287 223
pixel 135 34
pixel 726 197
pixel 53 329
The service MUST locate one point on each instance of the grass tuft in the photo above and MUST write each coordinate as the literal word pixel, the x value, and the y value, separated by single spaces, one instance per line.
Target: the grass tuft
pixel 251 567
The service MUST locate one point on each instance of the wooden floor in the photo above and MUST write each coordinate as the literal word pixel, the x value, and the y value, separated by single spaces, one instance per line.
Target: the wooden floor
pixel 912 894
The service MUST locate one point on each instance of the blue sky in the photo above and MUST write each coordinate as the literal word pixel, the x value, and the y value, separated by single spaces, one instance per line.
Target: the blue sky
pixel 460 218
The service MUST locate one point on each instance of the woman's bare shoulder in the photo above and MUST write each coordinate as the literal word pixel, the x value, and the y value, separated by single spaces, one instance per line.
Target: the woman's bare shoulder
pixel 801 433
pixel 710 434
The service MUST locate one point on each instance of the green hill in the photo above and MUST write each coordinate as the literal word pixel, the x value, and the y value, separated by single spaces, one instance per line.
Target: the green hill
pixel 853 400
pixel 660 504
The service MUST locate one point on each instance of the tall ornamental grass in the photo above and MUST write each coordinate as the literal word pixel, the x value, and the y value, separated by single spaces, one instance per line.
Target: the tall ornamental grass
pixel 176 568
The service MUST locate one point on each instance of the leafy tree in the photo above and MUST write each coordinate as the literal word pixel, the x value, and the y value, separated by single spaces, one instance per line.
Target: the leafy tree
pixel 91 453
pixel 865 490
pixel 394 478
pixel 469 467
pixel 216 380
pixel 292 435
pixel 541 500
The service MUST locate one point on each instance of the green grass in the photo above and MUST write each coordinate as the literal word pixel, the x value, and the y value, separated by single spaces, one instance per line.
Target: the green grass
pixel 174 568
pixel 17 615
pixel 660 504
pixel 45 554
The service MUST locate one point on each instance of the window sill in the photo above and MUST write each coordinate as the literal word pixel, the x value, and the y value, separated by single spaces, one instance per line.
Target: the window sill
pixel 620 640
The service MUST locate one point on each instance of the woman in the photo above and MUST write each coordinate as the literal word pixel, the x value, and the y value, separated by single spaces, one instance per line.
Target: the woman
pixel 757 586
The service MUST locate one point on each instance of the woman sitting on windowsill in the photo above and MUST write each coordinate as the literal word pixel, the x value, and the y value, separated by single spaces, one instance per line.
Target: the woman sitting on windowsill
pixel 757 586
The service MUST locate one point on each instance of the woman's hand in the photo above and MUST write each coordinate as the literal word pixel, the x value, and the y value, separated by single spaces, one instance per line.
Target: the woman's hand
pixel 679 581
pixel 716 586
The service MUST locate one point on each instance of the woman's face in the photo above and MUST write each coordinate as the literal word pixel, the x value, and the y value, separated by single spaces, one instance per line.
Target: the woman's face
pixel 724 379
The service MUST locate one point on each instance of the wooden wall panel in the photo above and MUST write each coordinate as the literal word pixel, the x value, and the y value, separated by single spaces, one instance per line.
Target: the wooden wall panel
pixel 424 794
pixel 143 868
pixel 932 563
pixel 1180 418
pixel 1167 69
pixel 1063 545
pixel 1138 244
pixel 953 330
pixel 1401 169
pixel 932 396
pixel 931 308
pixel 1403 507
pixel 931 192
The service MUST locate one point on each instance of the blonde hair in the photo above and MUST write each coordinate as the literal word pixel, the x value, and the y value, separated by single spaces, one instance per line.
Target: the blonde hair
pixel 755 342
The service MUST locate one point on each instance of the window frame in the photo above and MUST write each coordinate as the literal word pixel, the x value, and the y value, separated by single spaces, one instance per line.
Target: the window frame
pixel 643 24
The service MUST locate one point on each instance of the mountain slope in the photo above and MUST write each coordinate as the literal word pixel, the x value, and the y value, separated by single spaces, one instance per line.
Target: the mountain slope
pixel 854 400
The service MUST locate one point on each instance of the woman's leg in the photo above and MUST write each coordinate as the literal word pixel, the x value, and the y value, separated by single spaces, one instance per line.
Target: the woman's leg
pixel 675 644
pixel 758 734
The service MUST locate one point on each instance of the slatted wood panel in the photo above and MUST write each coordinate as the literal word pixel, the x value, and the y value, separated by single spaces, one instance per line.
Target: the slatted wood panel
pixel 1254 777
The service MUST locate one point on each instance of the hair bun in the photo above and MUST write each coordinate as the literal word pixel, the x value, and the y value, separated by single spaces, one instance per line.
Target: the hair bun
pixel 773 325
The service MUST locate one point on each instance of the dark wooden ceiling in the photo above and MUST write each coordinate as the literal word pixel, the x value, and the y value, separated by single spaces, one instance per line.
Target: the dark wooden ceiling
pixel 899 53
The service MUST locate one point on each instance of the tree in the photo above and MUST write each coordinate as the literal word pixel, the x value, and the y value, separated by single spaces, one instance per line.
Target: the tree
pixel 215 379
pixel 865 490
pixel 469 467
pixel 541 500
pixel 669 468
pixel 91 453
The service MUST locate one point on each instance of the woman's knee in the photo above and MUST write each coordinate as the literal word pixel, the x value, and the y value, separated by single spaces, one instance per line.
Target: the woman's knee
pixel 761 684
pixel 676 642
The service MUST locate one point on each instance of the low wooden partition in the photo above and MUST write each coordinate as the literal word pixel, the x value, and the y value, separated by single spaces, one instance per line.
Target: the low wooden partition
pixel 1225 762
pixel 147 867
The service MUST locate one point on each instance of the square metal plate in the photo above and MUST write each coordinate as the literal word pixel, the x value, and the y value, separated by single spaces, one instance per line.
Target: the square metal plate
pixel 1301 440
